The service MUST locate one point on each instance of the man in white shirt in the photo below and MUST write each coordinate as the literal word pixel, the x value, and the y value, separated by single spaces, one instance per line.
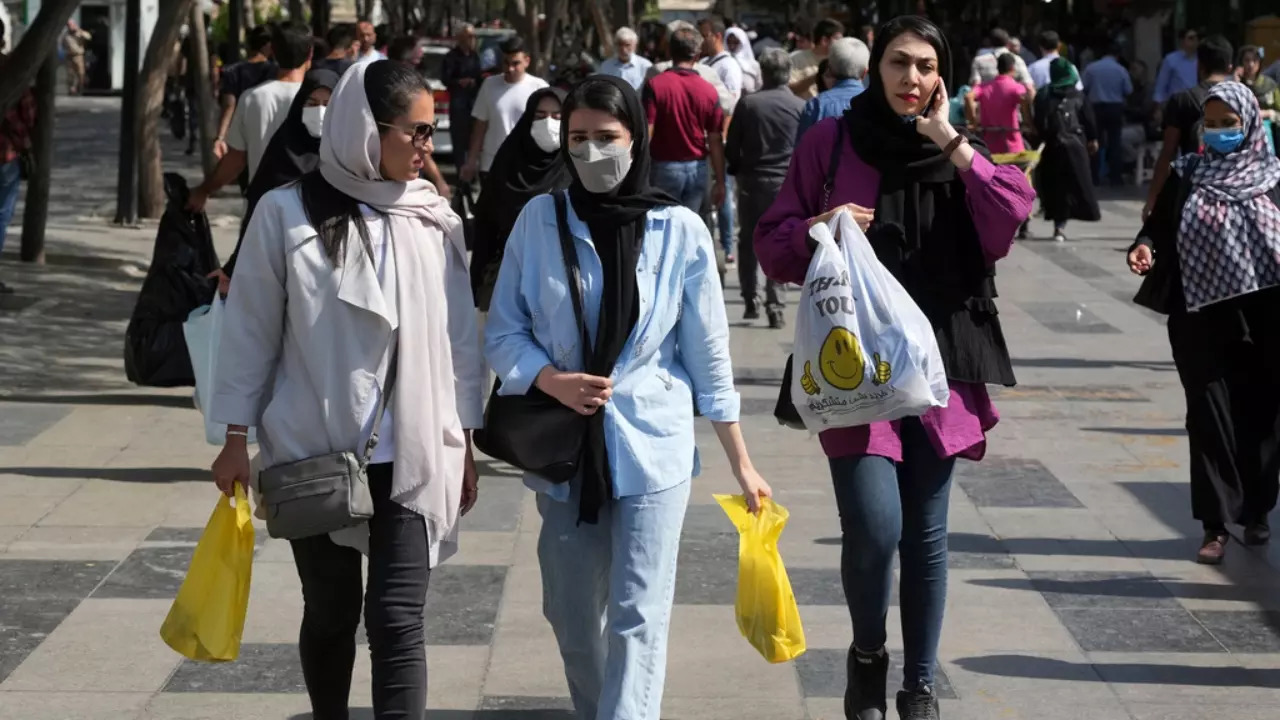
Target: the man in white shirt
pixel 499 106
pixel 260 112
pixel 717 58
pixel 627 65
pixel 983 69
pixel 1049 42
pixel 368 39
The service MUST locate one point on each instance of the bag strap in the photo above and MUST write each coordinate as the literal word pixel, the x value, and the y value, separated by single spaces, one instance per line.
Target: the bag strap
pixel 573 273
pixel 832 166
pixel 380 412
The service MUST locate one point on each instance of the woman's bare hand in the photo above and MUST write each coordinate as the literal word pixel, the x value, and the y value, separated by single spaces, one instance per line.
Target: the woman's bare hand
pixel 232 466
pixel 580 392
pixel 861 215
pixel 1141 260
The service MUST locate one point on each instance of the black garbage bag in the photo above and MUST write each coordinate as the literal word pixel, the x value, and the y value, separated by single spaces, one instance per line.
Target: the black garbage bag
pixel 155 352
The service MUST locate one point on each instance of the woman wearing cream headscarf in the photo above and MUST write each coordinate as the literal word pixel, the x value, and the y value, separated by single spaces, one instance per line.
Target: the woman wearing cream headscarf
pixel 736 42
pixel 358 265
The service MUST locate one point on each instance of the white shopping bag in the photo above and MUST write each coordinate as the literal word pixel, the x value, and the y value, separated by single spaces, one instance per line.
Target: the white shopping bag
pixel 864 351
pixel 202 330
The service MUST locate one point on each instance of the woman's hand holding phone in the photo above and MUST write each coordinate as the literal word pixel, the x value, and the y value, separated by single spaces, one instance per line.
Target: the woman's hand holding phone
pixel 934 121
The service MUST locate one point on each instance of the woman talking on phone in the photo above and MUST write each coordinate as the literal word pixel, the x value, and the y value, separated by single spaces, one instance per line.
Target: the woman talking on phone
pixel 939 215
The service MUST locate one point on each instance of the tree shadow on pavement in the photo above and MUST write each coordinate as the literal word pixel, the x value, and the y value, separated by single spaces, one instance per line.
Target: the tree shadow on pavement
pixel 1039 668
pixel 1083 364
pixel 109 399
pixel 149 475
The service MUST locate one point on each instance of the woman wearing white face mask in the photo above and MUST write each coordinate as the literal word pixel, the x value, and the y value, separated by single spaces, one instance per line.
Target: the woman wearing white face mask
pixel 293 151
pixel 653 308
pixel 528 164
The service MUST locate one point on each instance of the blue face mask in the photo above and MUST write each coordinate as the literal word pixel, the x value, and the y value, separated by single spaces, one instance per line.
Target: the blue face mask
pixel 1224 140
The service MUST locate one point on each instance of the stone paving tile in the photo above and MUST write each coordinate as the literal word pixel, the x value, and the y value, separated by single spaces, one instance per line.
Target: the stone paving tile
pixel 822 674
pixel 462 603
pixel 1098 590
pixel 72 706
pixel 20 423
pixel 1243 631
pixel 36 596
pixel 1013 482
pixel 72 543
pixel 258 669
pixel 1110 629
pixel 1067 317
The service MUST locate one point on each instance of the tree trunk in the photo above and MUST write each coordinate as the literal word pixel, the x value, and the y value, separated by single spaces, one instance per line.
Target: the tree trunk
pixel 602 29
pixel 295 11
pixel 36 44
pixel 36 212
pixel 235 21
pixel 555 12
pixel 127 164
pixel 151 101
pixel 531 35
pixel 198 63
pixel 319 17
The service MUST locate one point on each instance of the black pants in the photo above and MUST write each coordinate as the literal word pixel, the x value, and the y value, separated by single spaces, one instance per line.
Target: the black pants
pixel 1111 130
pixel 393 607
pixel 1227 360
pixel 754 197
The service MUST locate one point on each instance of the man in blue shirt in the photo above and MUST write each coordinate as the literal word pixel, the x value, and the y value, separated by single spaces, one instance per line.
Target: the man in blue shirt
pixel 1108 85
pixel 627 65
pixel 846 66
pixel 1178 71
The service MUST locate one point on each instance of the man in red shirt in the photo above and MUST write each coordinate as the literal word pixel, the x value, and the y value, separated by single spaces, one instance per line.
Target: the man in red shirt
pixel 686 125
pixel 15 139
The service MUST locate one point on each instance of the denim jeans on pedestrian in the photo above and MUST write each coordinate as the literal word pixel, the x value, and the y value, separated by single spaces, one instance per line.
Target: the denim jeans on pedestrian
pixel 684 181
pixel 884 505
pixel 10 184
pixel 1111 132
pixel 724 216
pixel 607 591
pixel 399 567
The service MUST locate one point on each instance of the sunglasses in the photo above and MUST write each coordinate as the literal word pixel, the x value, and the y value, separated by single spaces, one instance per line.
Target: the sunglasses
pixel 420 133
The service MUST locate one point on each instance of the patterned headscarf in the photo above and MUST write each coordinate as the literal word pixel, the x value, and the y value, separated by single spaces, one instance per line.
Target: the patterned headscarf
pixel 1229 237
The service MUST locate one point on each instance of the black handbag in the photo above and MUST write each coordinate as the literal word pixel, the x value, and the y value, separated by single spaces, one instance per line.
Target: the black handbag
pixel 785 409
pixel 535 432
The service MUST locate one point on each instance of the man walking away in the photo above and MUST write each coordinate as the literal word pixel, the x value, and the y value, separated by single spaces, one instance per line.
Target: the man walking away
pixel 706 73
pixel 685 127
pixel 240 77
pixel 1049 42
pixel 260 112
pixel 998 102
pixel 804 62
pixel 15 139
pixel 758 152
pixel 627 64
pixel 499 106
pixel 729 71
pixel 73 45
pixel 983 68
pixel 1178 71
pixel 342 49
pixel 1108 86
pixel 462 76
pixel 1183 114
pixel 846 67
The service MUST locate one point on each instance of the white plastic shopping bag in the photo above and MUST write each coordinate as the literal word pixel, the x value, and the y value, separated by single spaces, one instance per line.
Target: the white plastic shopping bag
pixel 864 351
pixel 202 330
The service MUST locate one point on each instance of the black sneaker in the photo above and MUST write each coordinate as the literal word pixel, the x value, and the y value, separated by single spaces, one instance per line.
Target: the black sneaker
pixel 864 696
pixel 918 704
pixel 776 320
pixel 753 310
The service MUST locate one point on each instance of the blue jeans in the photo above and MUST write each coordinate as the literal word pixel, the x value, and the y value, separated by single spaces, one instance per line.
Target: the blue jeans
pixel 607 591
pixel 10 184
pixel 724 216
pixel 884 504
pixel 687 182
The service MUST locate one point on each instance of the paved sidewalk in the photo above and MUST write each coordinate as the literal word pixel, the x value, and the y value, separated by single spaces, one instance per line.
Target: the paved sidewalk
pixel 1072 589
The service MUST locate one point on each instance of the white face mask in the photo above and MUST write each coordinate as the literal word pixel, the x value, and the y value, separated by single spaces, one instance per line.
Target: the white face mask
pixel 313 119
pixel 546 133
pixel 601 165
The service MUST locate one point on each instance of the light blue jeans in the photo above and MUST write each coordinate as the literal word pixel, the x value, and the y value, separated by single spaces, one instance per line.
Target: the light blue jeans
pixel 607 590
pixel 724 216
pixel 10 184
pixel 687 182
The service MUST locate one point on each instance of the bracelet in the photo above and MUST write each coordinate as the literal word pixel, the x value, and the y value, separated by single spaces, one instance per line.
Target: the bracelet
pixel 956 142
pixel 237 433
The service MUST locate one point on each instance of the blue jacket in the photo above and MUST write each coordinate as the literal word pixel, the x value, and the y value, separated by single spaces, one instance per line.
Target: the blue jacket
pixel 831 103
pixel 677 355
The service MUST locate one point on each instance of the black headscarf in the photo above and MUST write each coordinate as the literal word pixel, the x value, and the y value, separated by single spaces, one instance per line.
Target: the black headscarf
pixel 292 153
pixel 520 172
pixel 923 231
pixel 617 221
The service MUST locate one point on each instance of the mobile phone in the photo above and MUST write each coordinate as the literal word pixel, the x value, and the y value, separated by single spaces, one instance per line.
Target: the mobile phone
pixel 933 98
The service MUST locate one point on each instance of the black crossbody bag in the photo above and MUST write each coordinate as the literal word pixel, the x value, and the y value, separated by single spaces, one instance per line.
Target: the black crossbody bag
pixel 535 432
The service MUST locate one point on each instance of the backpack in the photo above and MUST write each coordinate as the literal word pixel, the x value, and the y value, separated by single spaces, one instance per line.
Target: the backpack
pixel 1064 121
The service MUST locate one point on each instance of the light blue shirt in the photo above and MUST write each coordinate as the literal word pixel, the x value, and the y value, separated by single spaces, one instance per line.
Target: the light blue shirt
pixel 1039 72
pixel 676 357
pixel 633 71
pixel 832 102
pixel 1107 81
pixel 1177 73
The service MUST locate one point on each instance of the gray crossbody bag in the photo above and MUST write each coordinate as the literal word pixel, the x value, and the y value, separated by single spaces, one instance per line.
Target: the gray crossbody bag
pixel 330 492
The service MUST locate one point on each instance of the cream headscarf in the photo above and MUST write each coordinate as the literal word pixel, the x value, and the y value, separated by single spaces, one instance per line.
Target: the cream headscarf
pixel 429 442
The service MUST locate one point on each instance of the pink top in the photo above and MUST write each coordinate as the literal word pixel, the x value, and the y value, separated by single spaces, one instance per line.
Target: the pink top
pixel 1000 100
pixel 999 198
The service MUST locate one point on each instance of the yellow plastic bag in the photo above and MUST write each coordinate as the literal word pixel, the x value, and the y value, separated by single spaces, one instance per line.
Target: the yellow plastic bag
pixel 207 618
pixel 767 613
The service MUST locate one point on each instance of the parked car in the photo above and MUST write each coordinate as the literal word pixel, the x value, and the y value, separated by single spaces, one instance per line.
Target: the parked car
pixel 431 67
pixel 487 42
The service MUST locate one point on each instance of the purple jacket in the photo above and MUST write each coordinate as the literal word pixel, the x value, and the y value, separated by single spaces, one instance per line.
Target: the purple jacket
pixel 999 198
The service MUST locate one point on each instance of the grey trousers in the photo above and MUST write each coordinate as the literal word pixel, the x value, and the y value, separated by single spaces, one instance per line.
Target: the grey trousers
pixel 755 195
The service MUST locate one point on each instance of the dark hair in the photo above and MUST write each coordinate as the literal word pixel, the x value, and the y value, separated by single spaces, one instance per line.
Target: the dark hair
pixel 259 37
pixel 512 45
pixel 390 89
pixel 603 96
pixel 1006 62
pixel 826 28
pixel 1214 55
pixel 1253 50
pixel 715 24
pixel 684 45
pixel 1185 32
pixel 1 34
pixel 1049 40
pixel 341 36
pixel 997 37
pixel 866 34
pixel 917 25
pixel 401 50
pixel 319 47
pixel 291 43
